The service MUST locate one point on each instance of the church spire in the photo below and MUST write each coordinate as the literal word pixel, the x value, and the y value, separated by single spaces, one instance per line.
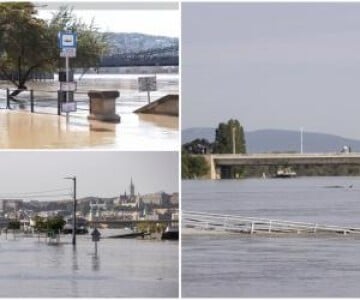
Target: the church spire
pixel 132 188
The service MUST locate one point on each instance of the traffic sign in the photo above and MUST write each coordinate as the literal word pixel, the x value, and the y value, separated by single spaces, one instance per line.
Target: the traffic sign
pixel 68 86
pixel 68 52
pixel 147 84
pixel 67 39
pixel 68 107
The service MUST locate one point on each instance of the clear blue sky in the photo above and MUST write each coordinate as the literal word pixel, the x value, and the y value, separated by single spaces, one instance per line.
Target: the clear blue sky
pixel 99 173
pixel 282 65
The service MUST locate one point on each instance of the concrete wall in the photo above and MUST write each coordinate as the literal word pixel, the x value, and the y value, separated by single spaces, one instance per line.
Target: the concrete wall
pixel 167 105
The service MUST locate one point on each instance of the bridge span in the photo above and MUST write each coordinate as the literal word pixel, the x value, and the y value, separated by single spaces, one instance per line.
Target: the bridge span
pixel 216 161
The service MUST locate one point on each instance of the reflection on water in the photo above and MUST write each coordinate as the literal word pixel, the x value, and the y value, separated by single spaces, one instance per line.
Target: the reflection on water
pixel 121 268
pixel 95 262
pixel 163 121
pixel 255 266
pixel 75 265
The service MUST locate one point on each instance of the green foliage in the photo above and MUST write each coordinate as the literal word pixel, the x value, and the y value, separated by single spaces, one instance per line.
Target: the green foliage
pixel 54 224
pixel 193 166
pixel 226 134
pixel 40 224
pixel 151 227
pixel 30 44
pixel 198 146
pixel 14 224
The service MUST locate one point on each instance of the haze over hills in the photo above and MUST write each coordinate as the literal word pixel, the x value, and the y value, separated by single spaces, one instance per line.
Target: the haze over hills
pixel 273 140
pixel 137 49
pixel 136 42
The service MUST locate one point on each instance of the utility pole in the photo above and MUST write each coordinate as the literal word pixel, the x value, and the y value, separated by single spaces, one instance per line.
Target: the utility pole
pixel 233 139
pixel 301 140
pixel 74 209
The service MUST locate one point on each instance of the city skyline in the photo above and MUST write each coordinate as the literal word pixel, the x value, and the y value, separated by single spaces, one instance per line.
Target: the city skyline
pixel 100 174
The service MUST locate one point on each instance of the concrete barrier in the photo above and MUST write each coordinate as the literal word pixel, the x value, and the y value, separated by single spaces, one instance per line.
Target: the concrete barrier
pixel 167 105
pixel 103 106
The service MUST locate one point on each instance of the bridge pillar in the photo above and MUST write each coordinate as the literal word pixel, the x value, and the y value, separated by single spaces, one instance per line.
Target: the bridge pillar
pixel 213 171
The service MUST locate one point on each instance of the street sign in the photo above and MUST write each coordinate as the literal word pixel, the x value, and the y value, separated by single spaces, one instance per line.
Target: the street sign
pixel 68 86
pixel 67 39
pixel 95 235
pixel 68 107
pixel 68 52
pixel 147 84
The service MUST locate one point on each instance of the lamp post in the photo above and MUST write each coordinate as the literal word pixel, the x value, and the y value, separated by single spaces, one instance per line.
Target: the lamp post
pixel 301 140
pixel 233 139
pixel 73 178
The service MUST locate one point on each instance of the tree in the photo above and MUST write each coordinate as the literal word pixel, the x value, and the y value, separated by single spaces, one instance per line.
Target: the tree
pixel 55 224
pixel 225 136
pixel 198 146
pixel 14 224
pixel 30 44
pixel 193 166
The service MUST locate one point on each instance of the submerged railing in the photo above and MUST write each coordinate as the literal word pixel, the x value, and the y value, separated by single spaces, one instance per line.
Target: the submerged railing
pixel 252 225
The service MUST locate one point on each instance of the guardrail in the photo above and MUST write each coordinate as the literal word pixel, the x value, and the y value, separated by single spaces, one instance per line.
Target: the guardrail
pixel 252 225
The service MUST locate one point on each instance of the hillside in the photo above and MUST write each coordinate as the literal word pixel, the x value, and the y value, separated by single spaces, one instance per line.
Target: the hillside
pixel 271 140
pixel 137 42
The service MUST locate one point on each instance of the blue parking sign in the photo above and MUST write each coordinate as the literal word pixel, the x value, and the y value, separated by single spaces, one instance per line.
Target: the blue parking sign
pixel 67 39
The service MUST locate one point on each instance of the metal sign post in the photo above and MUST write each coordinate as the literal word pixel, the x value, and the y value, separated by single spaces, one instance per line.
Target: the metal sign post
pixel 95 238
pixel 67 80
pixel 67 44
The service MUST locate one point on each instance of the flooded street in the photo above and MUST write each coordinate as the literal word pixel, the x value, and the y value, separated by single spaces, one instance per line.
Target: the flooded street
pixel 44 129
pixel 122 268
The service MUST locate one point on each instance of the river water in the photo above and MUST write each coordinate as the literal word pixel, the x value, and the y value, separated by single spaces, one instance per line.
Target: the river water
pixel 258 266
pixel 135 132
pixel 122 268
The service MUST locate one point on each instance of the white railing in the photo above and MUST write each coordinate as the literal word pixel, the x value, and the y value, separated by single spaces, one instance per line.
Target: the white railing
pixel 241 224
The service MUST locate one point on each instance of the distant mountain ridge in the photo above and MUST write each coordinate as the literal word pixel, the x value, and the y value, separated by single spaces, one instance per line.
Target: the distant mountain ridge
pixel 273 140
pixel 137 42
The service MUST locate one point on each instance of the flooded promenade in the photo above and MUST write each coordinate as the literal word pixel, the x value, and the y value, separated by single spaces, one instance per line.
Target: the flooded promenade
pixel 235 265
pixel 45 129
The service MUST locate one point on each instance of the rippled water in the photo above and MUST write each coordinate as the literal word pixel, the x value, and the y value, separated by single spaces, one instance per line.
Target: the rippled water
pixel 122 268
pixel 254 266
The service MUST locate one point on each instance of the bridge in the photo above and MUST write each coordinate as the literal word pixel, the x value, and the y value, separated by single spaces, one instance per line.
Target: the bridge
pixel 216 161
pixel 164 56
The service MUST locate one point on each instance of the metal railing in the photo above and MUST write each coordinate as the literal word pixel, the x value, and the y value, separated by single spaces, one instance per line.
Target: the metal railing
pixel 39 101
pixel 252 225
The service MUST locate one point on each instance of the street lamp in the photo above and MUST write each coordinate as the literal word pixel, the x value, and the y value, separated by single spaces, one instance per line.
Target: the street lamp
pixel 301 140
pixel 73 178
pixel 233 139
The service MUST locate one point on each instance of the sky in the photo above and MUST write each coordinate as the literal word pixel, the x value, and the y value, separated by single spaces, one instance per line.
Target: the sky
pixel 272 65
pixel 149 18
pixel 99 173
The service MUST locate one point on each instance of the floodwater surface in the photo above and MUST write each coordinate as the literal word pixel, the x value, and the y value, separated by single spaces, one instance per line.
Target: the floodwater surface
pixel 122 268
pixel 234 265
pixel 44 129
